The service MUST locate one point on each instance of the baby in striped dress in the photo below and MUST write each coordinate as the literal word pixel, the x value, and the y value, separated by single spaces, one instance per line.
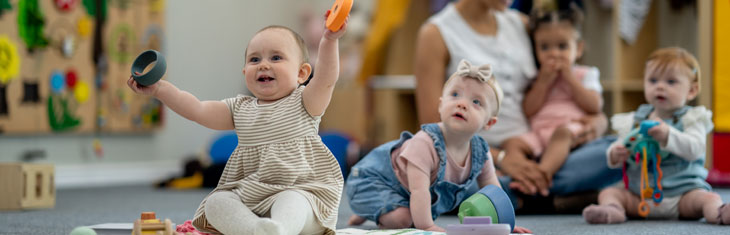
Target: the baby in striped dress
pixel 281 178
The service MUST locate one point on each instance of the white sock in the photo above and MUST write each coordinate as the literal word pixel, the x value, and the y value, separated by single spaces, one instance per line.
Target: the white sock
pixel 292 210
pixel 227 213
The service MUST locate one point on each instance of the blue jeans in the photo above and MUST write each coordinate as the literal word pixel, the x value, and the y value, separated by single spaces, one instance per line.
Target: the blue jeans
pixel 585 169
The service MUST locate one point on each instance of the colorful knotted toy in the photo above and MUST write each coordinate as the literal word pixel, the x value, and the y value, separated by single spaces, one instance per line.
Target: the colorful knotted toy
pixel 645 149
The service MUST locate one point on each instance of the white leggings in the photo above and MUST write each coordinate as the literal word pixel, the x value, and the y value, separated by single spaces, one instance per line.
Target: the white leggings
pixel 291 212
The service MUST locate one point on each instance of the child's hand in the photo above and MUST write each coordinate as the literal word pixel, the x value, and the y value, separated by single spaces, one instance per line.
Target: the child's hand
pixel 335 35
pixel 565 70
pixel 548 71
pixel 144 90
pixel 519 229
pixel 619 154
pixel 660 132
pixel 435 228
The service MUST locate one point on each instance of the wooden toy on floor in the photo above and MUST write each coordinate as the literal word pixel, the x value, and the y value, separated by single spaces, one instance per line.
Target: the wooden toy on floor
pixel 26 186
pixel 148 224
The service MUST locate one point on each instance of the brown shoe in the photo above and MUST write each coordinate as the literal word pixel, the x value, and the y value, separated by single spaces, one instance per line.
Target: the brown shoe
pixel 574 203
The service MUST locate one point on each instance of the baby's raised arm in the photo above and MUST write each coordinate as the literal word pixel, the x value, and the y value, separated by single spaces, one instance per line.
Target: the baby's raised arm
pixel 318 93
pixel 211 114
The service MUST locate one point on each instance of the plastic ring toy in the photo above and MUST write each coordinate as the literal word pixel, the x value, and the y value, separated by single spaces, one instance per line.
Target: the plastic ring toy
pixel 658 196
pixel 643 209
pixel 504 207
pixel 338 14
pixel 155 73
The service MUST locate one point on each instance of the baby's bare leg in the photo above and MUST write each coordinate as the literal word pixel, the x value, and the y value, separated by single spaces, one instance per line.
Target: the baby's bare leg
pixel 614 205
pixel 700 203
pixel 398 218
pixel 557 150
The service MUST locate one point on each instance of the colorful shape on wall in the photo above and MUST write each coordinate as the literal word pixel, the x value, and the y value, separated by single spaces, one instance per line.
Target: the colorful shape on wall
pixel 59 115
pixel 31 93
pixel 121 4
pixel 4 5
pixel 58 82
pixel 65 5
pixel 156 6
pixel 152 38
pixel 83 26
pixel 151 112
pixel 81 92
pixel 9 60
pixel 71 77
pixel 62 36
pixel 30 24
pixel 3 101
pixel 94 6
pixel 121 42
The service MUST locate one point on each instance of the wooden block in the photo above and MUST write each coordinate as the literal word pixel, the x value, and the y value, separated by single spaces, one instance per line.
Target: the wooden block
pixel 27 186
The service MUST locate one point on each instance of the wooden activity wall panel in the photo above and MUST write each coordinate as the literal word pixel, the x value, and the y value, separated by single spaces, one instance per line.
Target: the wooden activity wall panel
pixel 64 65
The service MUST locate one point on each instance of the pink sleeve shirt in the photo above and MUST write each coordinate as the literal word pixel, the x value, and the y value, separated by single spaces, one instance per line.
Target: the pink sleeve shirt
pixel 420 152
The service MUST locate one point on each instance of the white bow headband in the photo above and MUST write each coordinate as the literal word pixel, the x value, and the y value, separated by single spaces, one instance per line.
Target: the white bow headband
pixel 481 73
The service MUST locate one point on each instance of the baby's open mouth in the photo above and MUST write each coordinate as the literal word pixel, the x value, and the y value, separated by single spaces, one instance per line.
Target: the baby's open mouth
pixel 459 116
pixel 661 98
pixel 264 78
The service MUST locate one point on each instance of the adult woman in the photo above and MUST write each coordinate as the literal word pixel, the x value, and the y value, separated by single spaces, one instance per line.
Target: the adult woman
pixel 487 32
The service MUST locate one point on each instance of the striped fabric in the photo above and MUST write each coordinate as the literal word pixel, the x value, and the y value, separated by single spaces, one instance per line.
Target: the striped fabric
pixel 278 149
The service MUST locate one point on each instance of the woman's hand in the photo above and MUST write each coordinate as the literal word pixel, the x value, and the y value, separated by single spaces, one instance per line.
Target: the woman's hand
pixel 328 34
pixel 144 90
pixel 593 127
pixel 527 177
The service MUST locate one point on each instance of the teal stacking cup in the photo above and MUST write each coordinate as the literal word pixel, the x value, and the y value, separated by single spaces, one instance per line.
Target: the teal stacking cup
pixel 490 201
pixel 144 60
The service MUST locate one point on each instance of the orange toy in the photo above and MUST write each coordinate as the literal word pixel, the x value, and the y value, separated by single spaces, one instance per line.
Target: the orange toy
pixel 338 14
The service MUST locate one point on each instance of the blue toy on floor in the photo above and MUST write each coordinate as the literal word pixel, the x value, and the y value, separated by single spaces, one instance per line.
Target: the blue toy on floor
pixel 491 201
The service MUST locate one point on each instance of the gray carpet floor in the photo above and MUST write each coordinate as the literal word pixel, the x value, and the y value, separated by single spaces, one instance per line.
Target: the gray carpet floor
pixel 78 207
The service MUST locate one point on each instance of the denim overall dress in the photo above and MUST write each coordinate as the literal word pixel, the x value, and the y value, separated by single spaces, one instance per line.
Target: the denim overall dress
pixel 373 188
pixel 679 175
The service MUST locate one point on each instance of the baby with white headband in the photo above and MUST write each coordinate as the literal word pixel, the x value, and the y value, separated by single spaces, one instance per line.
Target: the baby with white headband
pixel 409 182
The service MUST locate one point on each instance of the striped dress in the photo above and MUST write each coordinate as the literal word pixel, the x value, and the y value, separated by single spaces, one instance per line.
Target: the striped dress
pixel 278 149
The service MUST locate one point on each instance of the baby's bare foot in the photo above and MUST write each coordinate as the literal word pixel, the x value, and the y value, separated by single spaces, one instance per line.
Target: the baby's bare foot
pixel 598 214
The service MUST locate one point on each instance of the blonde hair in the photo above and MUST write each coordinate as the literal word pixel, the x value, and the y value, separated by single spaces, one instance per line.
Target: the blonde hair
pixel 482 74
pixel 673 57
